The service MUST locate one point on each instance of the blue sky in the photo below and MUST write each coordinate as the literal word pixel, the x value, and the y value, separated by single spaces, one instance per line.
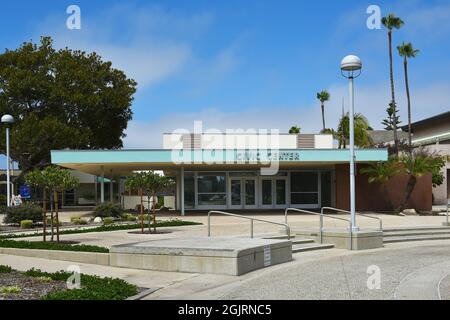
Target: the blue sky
pixel 247 64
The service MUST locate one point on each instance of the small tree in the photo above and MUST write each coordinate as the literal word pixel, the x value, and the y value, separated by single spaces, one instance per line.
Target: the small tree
pixel 323 96
pixel 52 180
pixel 361 131
pixel 381 173
pixel 38 180
pixel 294 130
pixel 136 182
pixel 155 183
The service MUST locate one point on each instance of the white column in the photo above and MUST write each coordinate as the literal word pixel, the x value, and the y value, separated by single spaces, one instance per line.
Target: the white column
pixel 182 191
pixel 352 155
pixel 8 184
pixel 102 186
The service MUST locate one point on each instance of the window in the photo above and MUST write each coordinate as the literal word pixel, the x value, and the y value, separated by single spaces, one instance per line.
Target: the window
pixel 212 189
pixel 305 188
pixel 189 191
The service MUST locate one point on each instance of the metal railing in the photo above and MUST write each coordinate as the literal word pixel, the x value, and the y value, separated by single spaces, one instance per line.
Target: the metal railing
pixel 357 213
pixel 288 230
pixel 321 215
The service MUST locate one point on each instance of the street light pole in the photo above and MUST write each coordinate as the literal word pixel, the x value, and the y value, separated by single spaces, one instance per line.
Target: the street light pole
pixel 349 65
pixel 8 119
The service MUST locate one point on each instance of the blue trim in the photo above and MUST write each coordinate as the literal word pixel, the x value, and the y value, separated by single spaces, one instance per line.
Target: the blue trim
pixel 207 156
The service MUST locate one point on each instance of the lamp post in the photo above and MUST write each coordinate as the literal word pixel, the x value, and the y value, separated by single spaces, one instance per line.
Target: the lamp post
pixel 351 68
pixel 7 119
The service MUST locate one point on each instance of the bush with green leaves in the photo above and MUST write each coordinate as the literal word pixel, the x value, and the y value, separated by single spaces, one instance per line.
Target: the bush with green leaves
pixel 26 224
pixel 23 212
pixel 39 245
pixel 5 269
pixel 108 209
pixel 92 287
pixel 10 290
pixel 129 217
pixel 108 221
pixel 78 221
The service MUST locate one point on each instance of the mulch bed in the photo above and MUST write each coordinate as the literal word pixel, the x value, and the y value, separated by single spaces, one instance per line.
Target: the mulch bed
pixel 32 288
pixel 151 232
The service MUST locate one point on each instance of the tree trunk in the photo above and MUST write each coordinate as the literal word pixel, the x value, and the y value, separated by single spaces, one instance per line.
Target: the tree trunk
pixel 391 75
pixel 51 217
pixel 142 211
pixel 408 192
pixel 154 212
pixel 55 195
pixel 323 116
pixel 44 215
pixel 405 64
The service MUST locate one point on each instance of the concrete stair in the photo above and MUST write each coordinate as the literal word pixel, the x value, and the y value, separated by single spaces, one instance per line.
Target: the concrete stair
pixel 300 244
pixel 391 235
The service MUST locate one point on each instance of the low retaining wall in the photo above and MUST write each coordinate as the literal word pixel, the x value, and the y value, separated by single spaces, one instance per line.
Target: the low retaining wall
pixel 73 256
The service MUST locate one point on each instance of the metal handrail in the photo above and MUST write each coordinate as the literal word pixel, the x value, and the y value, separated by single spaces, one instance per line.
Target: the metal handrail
pixel 288 229
pixel 357 213
pixel 321 215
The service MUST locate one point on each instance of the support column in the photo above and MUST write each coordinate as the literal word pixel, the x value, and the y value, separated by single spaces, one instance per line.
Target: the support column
pixel 111 188
pixel 182 191
pixel 102 186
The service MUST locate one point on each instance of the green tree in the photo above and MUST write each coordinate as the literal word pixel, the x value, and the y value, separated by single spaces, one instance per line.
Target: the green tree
pixel 39 180
pixel 55 180
pixel 407 51
pixel 392 22
pixel 323 96
pixel 361 130
pixel 392 120
pixel 136 182
pixel 155 183
pixel 294 130
pixel 61 99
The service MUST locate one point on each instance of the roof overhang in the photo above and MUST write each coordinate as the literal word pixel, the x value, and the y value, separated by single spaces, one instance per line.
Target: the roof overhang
pixel 122 162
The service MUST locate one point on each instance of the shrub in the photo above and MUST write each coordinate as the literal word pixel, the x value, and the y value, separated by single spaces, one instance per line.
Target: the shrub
pixel 23 212
pixel 49 221
pixel 108 221
pixel 78 221
pixel 26 224
pixel 108 209
pixel 39 245
pixel 10 290
pixel 92 287
pixel 5 269
pixel 129 217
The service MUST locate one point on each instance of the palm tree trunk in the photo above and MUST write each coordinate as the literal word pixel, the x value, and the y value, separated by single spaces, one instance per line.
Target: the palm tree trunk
pixel 405 64
pixel 44 215
pixel 142 211
pixel 323 116
pixel 391 75
pixel 52 208
pixel 55 195
pixel 408 192
pixel 154 212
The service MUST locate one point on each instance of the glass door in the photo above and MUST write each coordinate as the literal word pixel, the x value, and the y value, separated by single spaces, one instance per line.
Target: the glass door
pixel 243 193
pixel 280 192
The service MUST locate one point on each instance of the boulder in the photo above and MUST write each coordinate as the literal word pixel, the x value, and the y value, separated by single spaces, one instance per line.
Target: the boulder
pixel 98 220
pixel 409 212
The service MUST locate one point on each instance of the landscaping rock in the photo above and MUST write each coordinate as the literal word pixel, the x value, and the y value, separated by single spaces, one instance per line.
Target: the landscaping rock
pixel 98 220
pixel 409 212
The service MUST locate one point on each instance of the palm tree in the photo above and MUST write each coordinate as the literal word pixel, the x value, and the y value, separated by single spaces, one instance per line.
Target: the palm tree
pixel 294 130
pixel 362 128
pixel 323 96
pixel 407 51
pixel 392 22
pixel 381 173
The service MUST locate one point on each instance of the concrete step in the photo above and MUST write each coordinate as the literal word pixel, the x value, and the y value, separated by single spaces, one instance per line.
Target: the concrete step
pixel 416 238
pixel 301 241
pixel 424 228
pixel 414 233
pixel 310 247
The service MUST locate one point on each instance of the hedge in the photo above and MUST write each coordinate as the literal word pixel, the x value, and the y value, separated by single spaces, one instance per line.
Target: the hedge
pixel 39 245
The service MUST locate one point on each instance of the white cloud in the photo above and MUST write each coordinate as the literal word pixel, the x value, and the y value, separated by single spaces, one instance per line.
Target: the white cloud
pixel 370 101
pixel 148 43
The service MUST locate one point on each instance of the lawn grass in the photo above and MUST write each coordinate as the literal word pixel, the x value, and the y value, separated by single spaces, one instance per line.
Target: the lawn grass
pixel 106 228
pixel 40 245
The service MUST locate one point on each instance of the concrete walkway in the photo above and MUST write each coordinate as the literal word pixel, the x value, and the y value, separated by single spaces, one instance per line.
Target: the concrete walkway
pixel 408 270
